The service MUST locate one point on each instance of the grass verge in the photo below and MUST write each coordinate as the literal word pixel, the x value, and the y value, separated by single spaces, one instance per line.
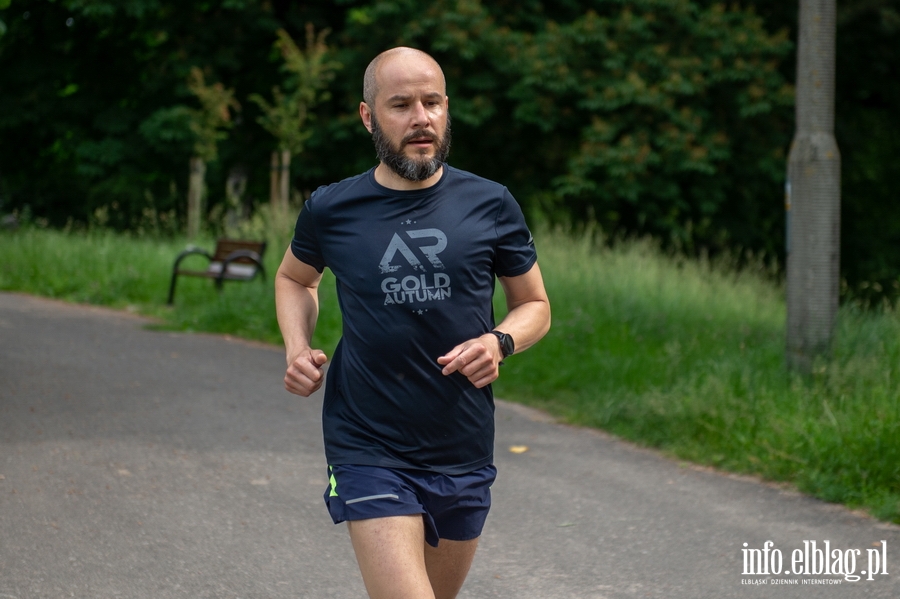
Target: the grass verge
pixel 681 355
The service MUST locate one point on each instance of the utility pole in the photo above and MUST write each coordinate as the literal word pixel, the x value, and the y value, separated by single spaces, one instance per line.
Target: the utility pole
pixel 813 193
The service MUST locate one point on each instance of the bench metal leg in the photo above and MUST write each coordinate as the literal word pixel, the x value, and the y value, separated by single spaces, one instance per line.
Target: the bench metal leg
pixel 171 299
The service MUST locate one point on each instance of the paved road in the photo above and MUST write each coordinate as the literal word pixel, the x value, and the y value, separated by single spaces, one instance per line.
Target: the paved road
pixel 142 464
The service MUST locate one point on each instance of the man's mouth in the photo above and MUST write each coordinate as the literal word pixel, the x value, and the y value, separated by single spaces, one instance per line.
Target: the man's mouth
pixel 420 141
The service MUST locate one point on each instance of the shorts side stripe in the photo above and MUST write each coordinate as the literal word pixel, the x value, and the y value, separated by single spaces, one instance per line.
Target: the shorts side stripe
pixel 371 497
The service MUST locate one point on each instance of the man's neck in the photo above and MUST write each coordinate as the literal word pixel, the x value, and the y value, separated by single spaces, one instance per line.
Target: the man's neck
pixel 388 178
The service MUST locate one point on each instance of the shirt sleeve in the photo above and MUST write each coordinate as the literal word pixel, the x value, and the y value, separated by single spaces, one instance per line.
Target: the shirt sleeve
pixel 515 253
pixel 305 244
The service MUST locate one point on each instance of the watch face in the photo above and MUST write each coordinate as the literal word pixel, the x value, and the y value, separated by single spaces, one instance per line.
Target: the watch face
pixel 506 344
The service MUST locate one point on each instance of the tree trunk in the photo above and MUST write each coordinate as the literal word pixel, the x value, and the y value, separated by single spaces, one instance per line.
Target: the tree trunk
pixel 274 190
pixel 235 187
pixel 285 183
pixel 813 194
pixel 195 196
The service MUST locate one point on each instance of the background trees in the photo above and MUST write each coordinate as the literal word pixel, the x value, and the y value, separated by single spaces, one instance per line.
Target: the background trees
pixel 669 118
pixel 287 117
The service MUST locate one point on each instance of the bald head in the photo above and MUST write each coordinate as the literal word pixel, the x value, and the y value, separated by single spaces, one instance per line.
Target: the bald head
pixel 370 79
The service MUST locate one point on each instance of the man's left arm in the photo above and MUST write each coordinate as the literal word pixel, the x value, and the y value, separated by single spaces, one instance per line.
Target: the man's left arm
pixel 526 322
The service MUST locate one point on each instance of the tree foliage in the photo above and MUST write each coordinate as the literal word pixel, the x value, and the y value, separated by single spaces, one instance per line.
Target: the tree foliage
pixel 211 121
pixel 308 73
pixel 867 97
pixel 4 4
pixel 656 98
pixel 662 117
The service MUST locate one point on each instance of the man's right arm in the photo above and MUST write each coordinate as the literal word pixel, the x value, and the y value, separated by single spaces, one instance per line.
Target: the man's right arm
pixel 297 309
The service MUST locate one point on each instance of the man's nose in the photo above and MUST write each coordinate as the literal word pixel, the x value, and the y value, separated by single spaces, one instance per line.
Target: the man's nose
pixel 421 118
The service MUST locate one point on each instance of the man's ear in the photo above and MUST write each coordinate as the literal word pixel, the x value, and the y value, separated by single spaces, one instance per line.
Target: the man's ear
pixel 366 115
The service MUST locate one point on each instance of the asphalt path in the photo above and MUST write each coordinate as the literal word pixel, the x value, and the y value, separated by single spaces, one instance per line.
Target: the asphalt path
pixel 144 464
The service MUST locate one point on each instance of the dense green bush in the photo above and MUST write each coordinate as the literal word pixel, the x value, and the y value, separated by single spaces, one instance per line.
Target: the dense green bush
pixel 663 117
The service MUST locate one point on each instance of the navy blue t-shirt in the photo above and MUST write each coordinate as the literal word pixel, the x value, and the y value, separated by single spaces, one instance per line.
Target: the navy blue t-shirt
pixel 415 277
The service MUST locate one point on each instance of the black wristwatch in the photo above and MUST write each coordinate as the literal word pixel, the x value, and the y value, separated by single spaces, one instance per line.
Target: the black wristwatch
pixel 507 345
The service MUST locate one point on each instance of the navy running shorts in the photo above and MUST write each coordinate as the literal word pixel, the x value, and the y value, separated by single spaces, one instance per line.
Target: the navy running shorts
pixel 453 507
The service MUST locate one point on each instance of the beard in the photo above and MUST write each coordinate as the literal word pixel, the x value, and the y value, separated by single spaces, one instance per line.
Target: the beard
pixel 418 168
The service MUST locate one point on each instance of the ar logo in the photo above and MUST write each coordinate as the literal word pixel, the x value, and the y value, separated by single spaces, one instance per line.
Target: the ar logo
pixel 430 251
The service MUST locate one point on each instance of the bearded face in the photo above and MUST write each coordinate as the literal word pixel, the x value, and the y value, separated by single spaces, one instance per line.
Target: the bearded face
pixel 410 163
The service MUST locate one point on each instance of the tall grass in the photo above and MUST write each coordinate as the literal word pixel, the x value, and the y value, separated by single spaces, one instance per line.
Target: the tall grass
pixel 688 357
pixel 133 272
pixel 682 355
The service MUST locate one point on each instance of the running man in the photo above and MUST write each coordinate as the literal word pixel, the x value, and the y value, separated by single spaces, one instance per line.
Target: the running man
pixel 408 413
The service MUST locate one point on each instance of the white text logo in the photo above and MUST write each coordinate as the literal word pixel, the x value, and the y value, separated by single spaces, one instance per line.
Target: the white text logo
pixel 417 288
pixel 813 560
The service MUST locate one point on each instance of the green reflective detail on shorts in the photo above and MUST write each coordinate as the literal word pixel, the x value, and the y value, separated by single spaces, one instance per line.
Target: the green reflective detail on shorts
pixel 333 492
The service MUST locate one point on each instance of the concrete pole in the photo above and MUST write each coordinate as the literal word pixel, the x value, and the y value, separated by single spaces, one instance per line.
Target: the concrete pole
pixel 813 198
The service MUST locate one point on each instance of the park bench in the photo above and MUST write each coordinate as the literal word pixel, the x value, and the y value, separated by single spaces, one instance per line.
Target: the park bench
pixel 232 260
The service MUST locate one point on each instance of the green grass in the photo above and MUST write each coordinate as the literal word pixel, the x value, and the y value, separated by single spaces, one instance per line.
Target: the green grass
pixel 689 358
pixel 676 354
pixel 133 273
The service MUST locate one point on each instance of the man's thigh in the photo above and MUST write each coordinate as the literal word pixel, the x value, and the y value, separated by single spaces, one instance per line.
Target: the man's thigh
pixel 396 563
pixel 448 565
pixel 390 553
